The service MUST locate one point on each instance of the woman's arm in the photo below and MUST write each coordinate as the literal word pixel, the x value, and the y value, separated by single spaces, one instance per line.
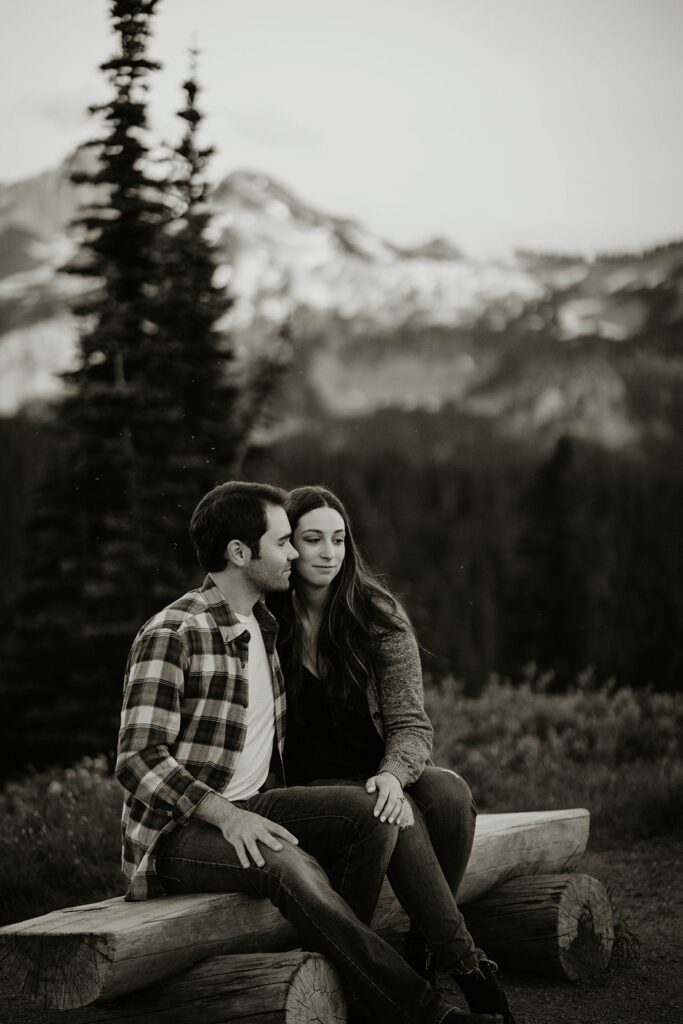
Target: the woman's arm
pixel 406 728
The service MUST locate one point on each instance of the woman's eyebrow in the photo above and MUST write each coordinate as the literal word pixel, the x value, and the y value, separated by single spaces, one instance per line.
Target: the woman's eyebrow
pixel 312 529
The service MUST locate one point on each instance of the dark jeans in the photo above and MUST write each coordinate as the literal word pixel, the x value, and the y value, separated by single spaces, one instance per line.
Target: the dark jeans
pixel 331 908
pixel 429 861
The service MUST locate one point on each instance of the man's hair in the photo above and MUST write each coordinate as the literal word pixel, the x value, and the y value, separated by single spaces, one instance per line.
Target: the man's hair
pixel 232 511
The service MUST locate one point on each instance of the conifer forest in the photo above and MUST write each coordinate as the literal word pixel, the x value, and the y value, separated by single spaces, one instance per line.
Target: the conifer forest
pixel 549 565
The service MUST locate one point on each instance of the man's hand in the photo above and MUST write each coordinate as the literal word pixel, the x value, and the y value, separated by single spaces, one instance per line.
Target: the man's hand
pixel 390 799
pixel 243 829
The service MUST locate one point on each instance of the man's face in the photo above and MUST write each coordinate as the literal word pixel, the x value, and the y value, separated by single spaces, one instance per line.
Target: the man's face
pixel 271 569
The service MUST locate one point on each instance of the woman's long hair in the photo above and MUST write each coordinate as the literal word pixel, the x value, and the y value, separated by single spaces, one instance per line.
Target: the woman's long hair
pixel 357 613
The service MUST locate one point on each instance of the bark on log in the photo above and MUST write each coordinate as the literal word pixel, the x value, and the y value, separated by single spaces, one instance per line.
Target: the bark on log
pixel 554 925
pixel 73 957
pixel 276 988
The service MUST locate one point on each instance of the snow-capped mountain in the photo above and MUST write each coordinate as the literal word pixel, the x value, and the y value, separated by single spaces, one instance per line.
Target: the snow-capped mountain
pixel 287 256
pixel 540 344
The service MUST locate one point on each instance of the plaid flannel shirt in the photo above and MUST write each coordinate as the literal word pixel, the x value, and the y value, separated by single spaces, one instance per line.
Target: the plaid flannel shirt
pixel 183 722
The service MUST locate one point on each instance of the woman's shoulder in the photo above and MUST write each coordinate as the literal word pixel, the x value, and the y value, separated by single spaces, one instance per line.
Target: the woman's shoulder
pixel 397 651
pixel 390 613
pixel 392 633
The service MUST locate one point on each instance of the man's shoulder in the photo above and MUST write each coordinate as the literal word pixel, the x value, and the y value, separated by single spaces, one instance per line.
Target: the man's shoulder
pixel 188 612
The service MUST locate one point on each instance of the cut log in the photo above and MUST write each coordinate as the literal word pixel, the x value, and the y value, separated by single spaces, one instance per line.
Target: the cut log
pixel 73 957
pixel 275 988
pixel 526 843
pixel 555 925
pixel 505 846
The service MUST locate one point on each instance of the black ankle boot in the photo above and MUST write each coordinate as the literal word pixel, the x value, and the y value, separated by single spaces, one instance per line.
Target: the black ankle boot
pixel 483 991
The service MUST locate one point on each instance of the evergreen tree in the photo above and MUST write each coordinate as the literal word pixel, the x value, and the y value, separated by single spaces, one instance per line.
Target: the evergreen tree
pixel 104 409
pixel 87 563
pixel 150 421
pixel 192 393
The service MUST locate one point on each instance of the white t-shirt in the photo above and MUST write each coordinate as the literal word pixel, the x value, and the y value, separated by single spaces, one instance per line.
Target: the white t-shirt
pixel 253 761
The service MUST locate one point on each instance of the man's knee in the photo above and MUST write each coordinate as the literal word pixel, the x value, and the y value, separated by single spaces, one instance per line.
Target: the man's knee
pixel 291 862
pixel 295 872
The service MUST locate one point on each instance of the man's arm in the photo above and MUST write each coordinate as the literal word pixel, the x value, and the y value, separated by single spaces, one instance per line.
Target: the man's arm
pixel 150 723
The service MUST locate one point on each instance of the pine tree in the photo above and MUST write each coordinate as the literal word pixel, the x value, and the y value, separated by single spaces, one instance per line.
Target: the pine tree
pixel 192 392
pixel 151 420
pixel 217 409
pixel 87 586
pixel 105 409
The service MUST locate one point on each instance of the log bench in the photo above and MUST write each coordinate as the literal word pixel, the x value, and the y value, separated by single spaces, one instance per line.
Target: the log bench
pixel 240 956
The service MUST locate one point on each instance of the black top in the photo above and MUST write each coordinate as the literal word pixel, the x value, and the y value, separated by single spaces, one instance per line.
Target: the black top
pixel 324 741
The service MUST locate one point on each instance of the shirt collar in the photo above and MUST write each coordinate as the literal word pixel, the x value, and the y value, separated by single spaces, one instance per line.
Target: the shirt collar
pixel 226 620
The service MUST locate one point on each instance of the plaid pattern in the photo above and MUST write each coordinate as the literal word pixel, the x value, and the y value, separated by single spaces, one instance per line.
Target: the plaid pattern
pixel 183 721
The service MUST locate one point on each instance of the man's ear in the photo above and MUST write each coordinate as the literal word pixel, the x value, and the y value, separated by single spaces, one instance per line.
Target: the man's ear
pixel 237 553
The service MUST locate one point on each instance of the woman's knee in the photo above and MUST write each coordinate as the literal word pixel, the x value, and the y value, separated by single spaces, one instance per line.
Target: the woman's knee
pixel 459 789
pixel 356 806
pixel 444 790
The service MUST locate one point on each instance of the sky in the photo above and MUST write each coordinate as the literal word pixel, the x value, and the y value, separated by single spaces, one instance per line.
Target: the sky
pixel 546 124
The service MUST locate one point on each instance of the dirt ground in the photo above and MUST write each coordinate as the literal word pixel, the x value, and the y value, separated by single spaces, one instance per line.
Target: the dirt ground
pixel 646 887
pixel 645 987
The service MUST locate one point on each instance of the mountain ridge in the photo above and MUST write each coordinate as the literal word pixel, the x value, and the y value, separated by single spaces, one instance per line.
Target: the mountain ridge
pixel 541 344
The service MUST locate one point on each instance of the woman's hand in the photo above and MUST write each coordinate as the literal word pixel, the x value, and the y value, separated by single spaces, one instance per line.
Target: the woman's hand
pixel 406 817
pixel 390 802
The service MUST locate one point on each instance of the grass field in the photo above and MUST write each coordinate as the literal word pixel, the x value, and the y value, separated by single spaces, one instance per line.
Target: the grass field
pixel 616 752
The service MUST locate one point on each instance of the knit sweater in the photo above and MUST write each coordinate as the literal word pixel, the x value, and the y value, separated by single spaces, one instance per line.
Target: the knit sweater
pixel 396 703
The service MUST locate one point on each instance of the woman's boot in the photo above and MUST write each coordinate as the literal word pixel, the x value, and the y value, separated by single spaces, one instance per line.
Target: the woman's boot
pixel 483 991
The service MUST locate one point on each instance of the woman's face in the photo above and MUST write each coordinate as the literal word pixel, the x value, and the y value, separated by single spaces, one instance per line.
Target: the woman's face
pixel 319 537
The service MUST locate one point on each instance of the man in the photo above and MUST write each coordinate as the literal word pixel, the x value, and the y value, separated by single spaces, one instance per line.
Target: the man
pixel 201 738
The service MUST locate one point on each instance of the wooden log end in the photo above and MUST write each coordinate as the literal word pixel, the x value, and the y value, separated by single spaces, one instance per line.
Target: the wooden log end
pixel 271 988
pixel 315 994
pixel 554 925
pixel 55 971
pixel 586 928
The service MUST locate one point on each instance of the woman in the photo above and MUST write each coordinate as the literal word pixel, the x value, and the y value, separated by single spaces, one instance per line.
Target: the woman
pixel 356 713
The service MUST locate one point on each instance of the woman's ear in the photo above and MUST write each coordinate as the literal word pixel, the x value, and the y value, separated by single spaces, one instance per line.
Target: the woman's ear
pixel 237 553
